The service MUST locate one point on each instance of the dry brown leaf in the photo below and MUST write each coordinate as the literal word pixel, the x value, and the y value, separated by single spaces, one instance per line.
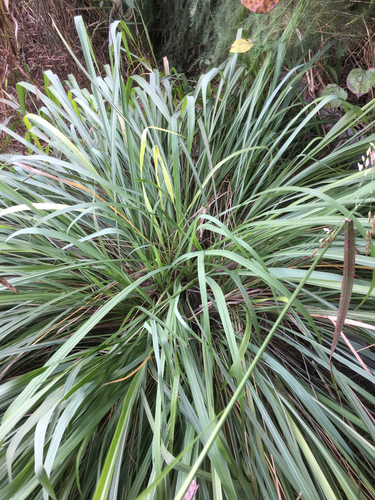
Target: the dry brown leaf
pixel 15 27
pixel 260 6
pixel 347 282
pixel 8 285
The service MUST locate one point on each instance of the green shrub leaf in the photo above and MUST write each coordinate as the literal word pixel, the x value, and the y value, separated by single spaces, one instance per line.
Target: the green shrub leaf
pixel 333 89
pixel 360 81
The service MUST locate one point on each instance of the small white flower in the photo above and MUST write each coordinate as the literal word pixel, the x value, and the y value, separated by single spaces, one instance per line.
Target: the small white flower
pixel 360 166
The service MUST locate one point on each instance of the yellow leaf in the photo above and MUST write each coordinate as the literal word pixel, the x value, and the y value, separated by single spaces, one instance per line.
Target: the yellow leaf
pixel 240 46
pixel 147 202
pixel 167 179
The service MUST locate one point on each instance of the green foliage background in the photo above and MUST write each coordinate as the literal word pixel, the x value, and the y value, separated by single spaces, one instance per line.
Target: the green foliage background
pixel 189 30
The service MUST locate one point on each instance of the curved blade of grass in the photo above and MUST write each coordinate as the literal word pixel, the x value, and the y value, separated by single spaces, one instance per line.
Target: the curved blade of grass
pixel 347 282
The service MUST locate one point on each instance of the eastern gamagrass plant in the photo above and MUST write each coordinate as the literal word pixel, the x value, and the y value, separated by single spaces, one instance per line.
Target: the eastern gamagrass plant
pixel 170 320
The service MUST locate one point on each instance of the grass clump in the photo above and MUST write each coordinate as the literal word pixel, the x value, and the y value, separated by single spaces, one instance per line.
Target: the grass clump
pixel 170 322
